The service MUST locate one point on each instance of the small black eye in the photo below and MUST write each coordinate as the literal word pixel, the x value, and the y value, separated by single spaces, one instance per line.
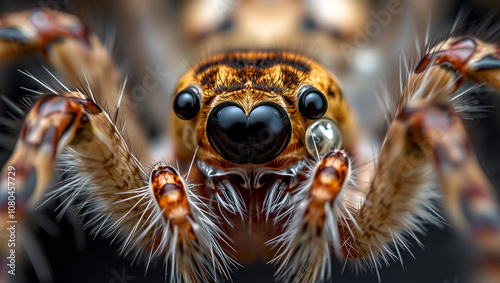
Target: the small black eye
pixel 187 104
pixel 312 104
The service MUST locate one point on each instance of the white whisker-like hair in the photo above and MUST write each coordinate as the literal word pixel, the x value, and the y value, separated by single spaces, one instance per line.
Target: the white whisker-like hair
pixel 303 253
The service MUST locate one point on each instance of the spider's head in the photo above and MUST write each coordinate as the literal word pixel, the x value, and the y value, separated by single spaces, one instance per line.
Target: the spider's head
pixel 255 109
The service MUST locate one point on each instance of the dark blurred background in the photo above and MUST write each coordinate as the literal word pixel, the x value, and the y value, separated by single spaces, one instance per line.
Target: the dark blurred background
pixel 152 33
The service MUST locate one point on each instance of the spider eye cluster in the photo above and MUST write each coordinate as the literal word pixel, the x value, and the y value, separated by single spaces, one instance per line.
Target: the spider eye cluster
pixel 312 103
pixel 187 103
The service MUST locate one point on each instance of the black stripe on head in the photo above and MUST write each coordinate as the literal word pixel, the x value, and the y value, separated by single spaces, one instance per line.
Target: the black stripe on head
pixel 237 61
pixel 209 79
pixel 290 78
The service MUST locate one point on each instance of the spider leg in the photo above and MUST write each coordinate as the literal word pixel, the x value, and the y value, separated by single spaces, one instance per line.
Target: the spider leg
pixel 51 125
pixel 78 56
pixel 472 58
pixel 155 213
pixel 306 243
pixel 427 140
pixel 424 142
pixel 466 59
pixel 30 31
pixel 191 237
pixel 165 220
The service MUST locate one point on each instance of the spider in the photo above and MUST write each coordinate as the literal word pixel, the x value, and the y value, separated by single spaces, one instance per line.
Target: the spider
pixel 263 140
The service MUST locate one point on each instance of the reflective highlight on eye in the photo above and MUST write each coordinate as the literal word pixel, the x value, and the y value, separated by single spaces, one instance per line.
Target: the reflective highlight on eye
pixel 323 136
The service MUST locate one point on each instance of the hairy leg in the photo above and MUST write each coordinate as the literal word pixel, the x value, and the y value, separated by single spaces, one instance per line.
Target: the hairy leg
pixel 425 144
pixel 156 214
pixel 153 214
pixel 77 55
pixel 427 140
pixel 304 248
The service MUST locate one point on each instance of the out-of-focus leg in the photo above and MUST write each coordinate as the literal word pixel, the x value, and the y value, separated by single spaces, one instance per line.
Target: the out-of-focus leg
pixel 78 56
pixel 426 140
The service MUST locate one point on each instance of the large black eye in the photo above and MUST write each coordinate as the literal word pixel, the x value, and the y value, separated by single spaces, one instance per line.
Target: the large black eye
pixel 312 104
pixel 257 138
pixel 187 104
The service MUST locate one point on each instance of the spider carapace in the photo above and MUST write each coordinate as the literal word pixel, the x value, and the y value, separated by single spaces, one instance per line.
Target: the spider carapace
pixel 264 161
